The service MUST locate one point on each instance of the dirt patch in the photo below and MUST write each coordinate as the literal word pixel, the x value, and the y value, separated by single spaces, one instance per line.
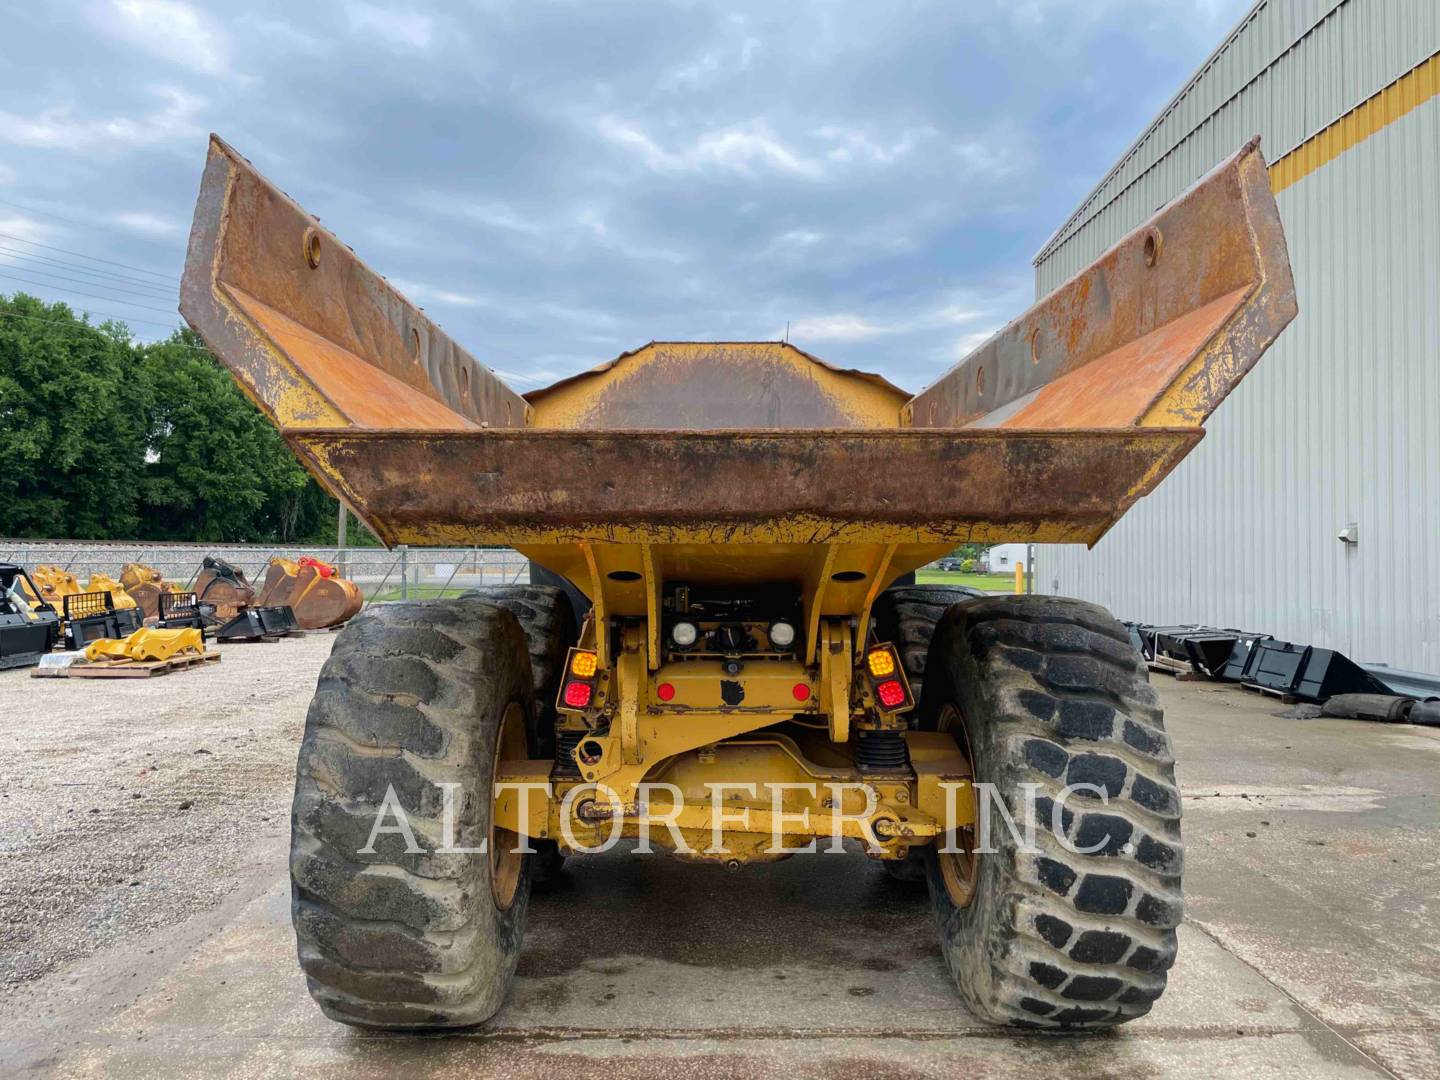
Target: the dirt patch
pixel 127 805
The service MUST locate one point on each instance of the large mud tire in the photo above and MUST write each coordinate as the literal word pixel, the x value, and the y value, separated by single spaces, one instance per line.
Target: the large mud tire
pixel 413 696
pixel 1048 692
pixel 546 616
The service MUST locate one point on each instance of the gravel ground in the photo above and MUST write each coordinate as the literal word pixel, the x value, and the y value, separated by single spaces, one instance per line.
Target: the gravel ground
pixel 128 805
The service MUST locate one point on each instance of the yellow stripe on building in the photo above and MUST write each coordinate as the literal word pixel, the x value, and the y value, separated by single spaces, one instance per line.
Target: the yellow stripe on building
pixel 1411 90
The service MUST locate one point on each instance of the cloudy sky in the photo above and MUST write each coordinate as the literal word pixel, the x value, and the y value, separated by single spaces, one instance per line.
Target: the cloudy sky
pixel 556 182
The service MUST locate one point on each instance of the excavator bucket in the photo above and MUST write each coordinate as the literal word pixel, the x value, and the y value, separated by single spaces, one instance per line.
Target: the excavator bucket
pixel 223 587
pixel 144 584
pixel 313 589
pixel 118 595
pixel 54 583
pixel 684 458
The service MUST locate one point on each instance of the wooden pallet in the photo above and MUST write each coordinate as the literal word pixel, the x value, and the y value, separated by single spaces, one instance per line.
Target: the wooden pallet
pixel 129 669
pixel 1284 696
pixel 1181 669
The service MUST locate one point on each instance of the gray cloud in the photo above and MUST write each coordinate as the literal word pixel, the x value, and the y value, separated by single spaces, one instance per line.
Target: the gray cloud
pixel 559 181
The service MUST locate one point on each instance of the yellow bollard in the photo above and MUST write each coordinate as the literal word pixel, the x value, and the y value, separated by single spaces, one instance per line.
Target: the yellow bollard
pixel 1019 578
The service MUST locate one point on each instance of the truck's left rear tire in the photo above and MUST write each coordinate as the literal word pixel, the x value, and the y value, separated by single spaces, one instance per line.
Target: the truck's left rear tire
pixel 413 696
pixel 547 616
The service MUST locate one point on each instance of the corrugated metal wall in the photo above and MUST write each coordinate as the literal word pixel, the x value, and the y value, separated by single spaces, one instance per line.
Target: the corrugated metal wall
pixel 1340 422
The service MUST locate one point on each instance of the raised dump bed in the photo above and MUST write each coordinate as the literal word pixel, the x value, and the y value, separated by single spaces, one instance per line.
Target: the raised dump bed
pixel 737 514
pixel 1048 433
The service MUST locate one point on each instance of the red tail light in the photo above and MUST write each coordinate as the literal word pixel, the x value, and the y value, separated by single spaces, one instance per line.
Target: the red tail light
pixel 890 693
pixel 578 694
pixel 886 675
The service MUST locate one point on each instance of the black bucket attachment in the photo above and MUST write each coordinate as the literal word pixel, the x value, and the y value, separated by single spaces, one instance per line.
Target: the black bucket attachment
pixel 91 616
pixel 259 624
pixel 182 611
pixel 1304 671
pixel 1209 651
pixel 28 630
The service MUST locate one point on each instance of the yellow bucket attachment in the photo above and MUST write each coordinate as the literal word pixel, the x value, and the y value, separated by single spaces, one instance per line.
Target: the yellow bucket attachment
pixel 147 644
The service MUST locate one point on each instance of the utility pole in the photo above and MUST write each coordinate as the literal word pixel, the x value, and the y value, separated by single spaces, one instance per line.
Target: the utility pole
pixel 340 538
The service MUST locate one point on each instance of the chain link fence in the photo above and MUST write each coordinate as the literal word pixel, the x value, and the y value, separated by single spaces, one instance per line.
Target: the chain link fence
pixel 404 573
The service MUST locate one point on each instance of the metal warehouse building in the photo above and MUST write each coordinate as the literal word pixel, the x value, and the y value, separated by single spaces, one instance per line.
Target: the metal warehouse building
pixel 1338 426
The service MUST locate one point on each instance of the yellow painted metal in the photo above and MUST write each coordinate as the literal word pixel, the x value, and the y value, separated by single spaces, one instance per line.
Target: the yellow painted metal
pixel 599 595
pixel 630 684
pixel 836 667
pixel 818 580
pixel 878 581
pixel 943 778
pixel 749 790
pixel 741 463
pixel 106 649
pixel 652 584
pixel 768 688
pixel 717 384
pixel 54 583
pixel 1411 90
pixel 105 583
pixel 523 796
pixel 147 644
pixel 658 738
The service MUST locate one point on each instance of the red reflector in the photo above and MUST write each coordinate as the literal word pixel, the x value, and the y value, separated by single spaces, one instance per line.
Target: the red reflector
pixel 577 694
pixel 891 693
pixel 801 692
pixel 665 691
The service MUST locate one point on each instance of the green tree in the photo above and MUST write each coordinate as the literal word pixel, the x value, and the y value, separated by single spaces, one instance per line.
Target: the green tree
pixel 72 437
pixel 215 468
pixel 101 438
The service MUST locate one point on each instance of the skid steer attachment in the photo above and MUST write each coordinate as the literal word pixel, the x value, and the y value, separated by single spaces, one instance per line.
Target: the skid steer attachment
pixel 148 644
pixel 29 627
pixel 90 616
pixel 182 611
pixel 735 512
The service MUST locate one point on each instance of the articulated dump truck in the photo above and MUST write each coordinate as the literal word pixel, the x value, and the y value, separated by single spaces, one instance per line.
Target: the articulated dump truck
pixel 722 651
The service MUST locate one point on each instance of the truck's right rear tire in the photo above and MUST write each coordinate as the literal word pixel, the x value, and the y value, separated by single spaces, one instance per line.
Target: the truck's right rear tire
pixel 1042 693
pixel 414 695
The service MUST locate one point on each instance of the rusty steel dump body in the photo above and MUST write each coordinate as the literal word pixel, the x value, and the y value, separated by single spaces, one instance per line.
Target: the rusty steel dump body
pixel 742 462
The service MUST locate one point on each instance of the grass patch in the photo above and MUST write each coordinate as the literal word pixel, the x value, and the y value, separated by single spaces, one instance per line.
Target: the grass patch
pixel 988 582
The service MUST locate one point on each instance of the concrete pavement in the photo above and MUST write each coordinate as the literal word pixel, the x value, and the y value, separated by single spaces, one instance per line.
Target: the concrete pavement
pixel 1311 947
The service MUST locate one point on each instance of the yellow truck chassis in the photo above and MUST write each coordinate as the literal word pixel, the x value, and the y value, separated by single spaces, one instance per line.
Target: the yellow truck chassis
pixel 738 520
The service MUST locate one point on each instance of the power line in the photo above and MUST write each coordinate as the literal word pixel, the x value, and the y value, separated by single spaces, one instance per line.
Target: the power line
pixel 78 292
pixel 82 255
pixel 96 284
pixel 72 221
pixel 17 253
pixel 86 326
